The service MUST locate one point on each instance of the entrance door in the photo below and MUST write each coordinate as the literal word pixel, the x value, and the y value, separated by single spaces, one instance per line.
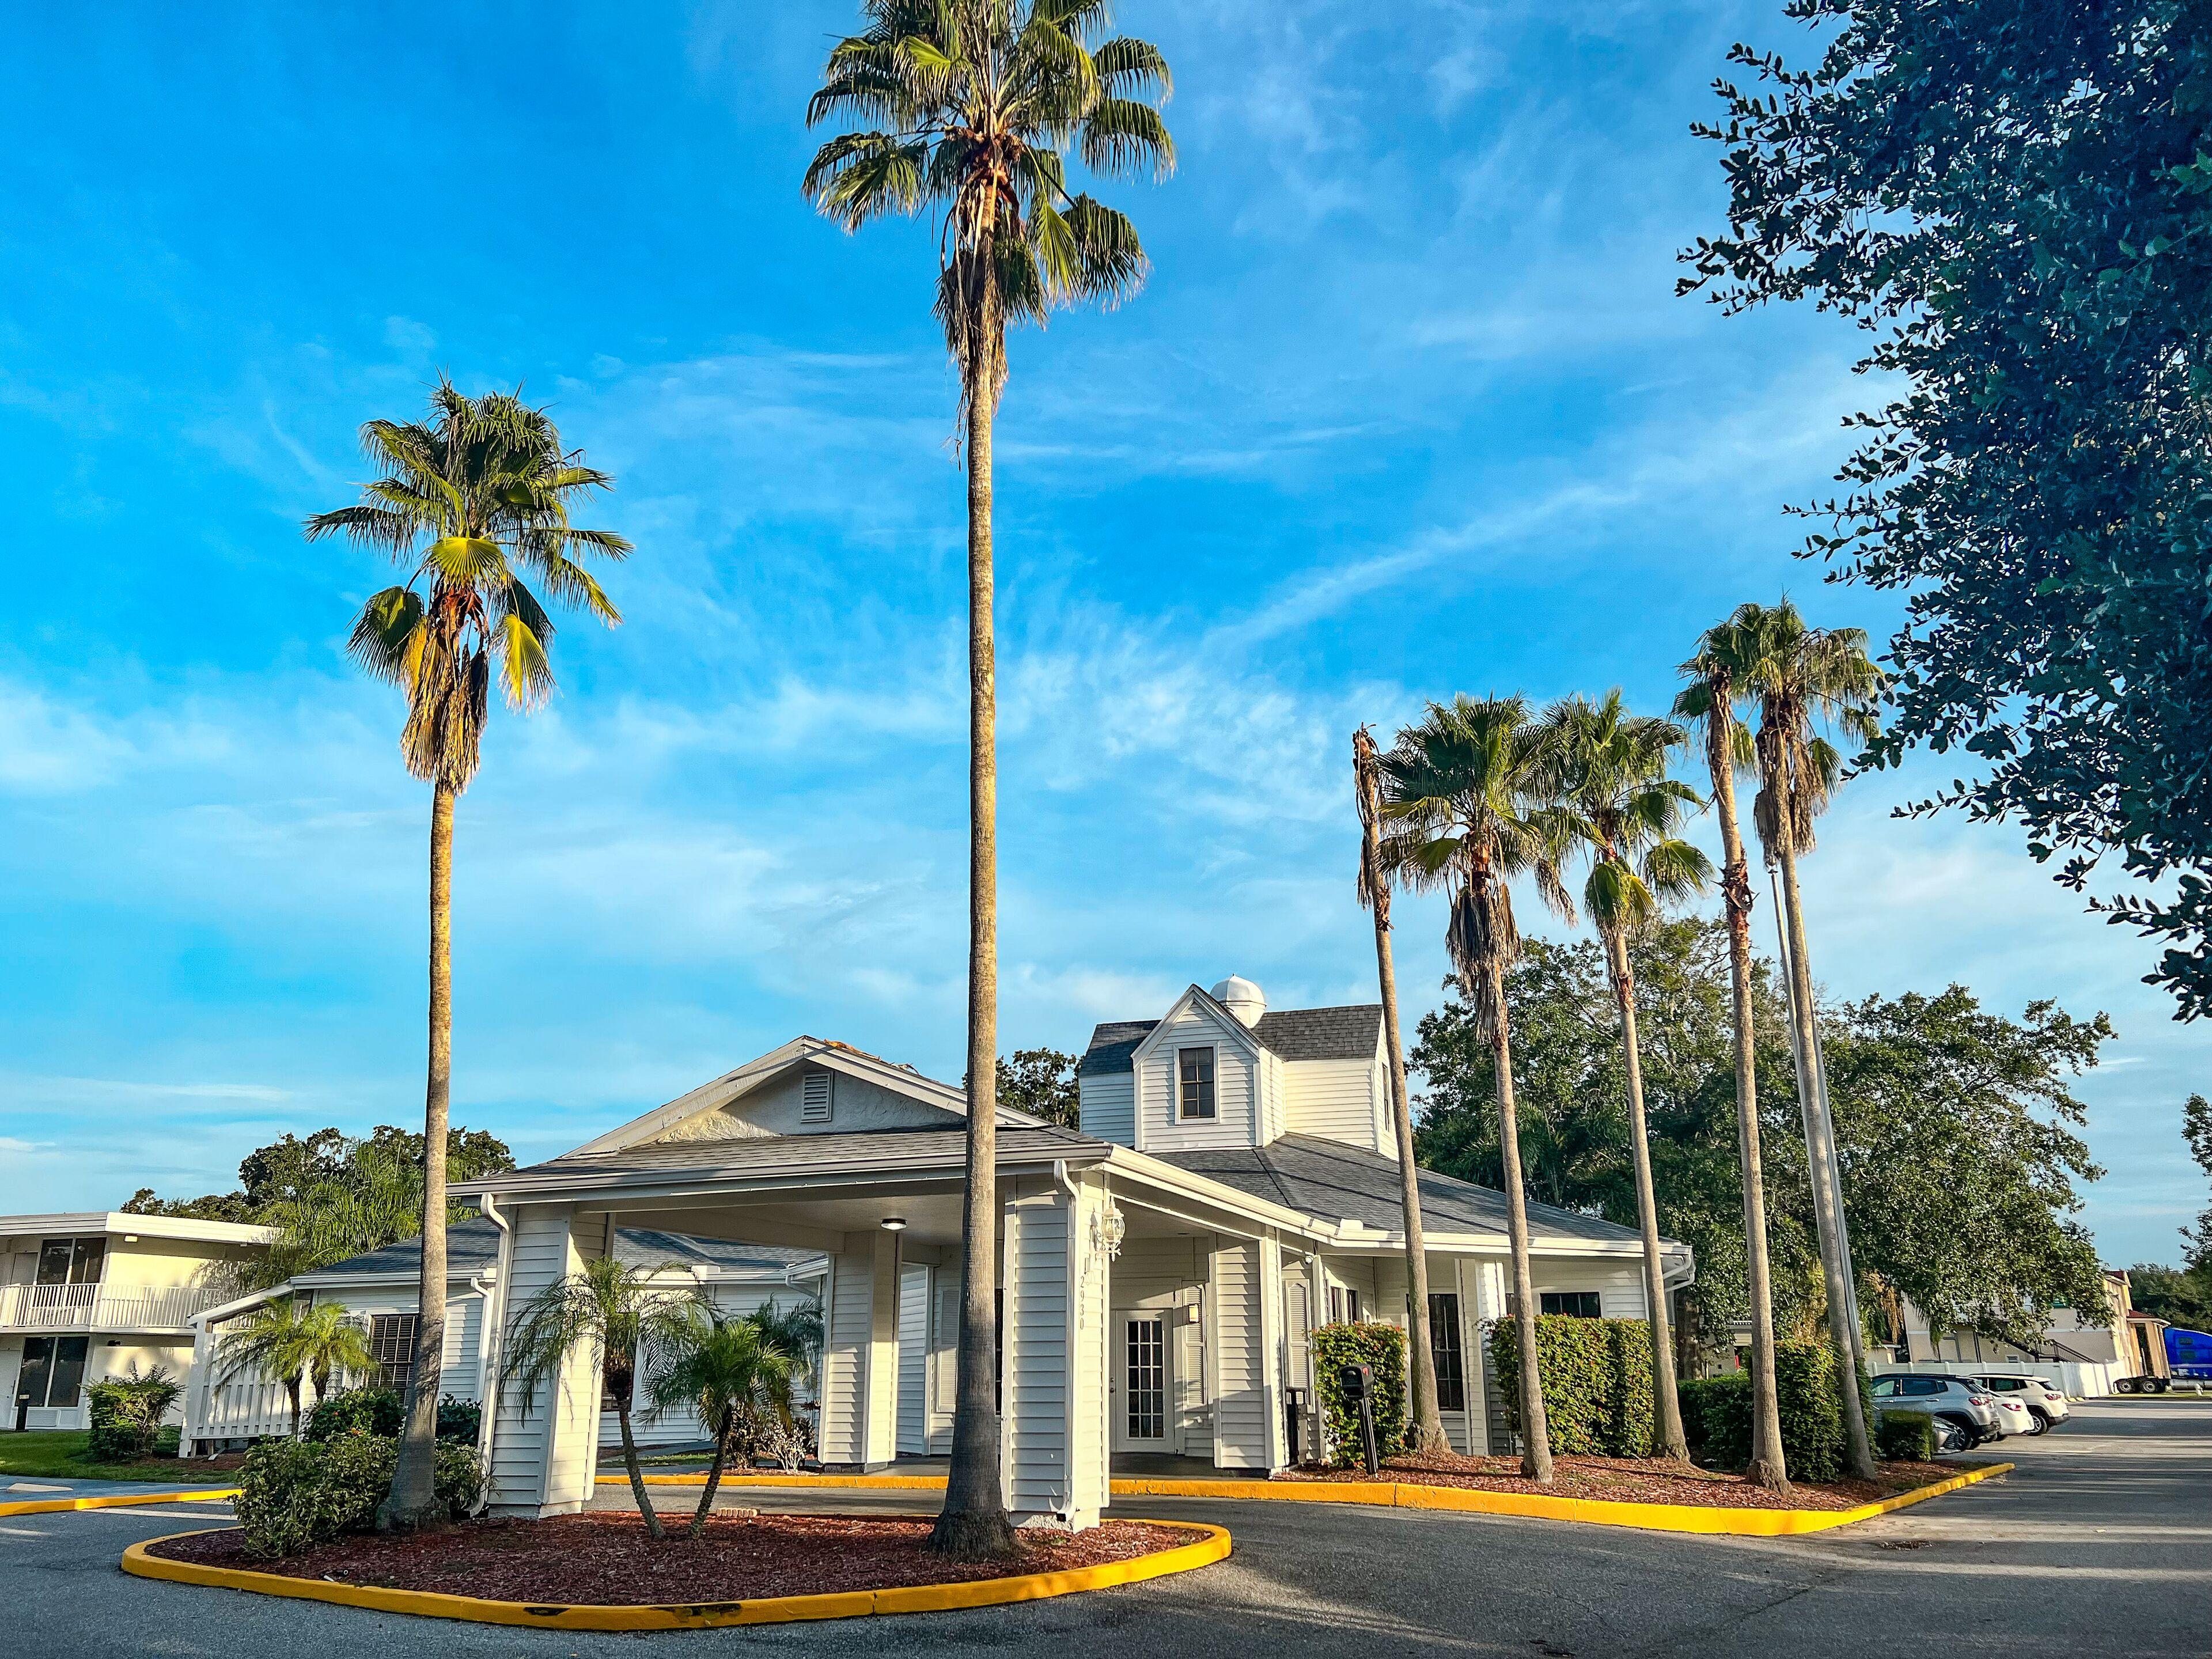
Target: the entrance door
pixel 1141 1419
pixel 31 1380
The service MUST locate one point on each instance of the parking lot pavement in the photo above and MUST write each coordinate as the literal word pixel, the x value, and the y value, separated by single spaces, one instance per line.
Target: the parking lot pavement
pixel 2100 1544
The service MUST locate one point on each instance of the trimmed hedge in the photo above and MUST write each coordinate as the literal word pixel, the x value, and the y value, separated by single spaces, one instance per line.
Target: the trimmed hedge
pixel 298 1494
pixel 1370 1343
pixel 1596 1378
pixel 381 1411
pixel 1717 1412
pixel 1905 1437
pixel 126 1411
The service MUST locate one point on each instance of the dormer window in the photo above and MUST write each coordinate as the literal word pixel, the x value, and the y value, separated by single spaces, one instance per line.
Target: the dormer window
pixel 1193 1083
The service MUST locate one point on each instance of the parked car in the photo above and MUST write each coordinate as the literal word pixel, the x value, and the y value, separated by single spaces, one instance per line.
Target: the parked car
pixel 2012 1414
pixel 1953 1400
pixel 2046 1405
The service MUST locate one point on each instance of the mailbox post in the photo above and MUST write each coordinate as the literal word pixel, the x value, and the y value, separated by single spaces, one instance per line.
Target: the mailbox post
pixel 1358 1381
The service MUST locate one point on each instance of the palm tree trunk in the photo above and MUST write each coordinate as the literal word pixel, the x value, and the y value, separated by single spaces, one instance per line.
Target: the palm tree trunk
pixel 413 1499
pixel 1535 1432
pixel 713 1475
pixel 292 1390
pixel 1767 1468
pixel 1821 1155
pixel 1669 1438
pixel 973 1525
pixel 1427 1431
pixel 636 1473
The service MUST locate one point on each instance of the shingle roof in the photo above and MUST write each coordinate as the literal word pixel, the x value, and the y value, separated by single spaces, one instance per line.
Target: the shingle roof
pixel 1350 1033
pixel 473 1245
pixel 1328 1179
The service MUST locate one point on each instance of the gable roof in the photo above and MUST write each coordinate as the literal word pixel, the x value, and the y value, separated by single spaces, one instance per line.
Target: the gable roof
pixel 473 1245
pixel 1333 1181
pixel 1348 1033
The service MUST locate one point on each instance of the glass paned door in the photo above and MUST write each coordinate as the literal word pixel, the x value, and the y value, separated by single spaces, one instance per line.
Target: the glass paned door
pixel 1144 1379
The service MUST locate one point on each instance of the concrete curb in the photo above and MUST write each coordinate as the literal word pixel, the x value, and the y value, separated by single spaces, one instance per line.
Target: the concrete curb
pixel 768 1610
pixel 1387 1494
pixel 126 1500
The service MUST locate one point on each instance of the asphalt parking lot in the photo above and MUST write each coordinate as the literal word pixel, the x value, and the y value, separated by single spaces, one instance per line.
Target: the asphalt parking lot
pixel 2100 1544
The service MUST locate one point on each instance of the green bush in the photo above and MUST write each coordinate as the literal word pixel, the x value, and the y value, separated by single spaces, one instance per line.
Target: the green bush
pixel 1906 1437
pixel 295 1494
pixel 1371 1343
pixel 458 1418
pixel 126 1411
pixel 373 1410
pixel 1597 1376
pixel 1717 1413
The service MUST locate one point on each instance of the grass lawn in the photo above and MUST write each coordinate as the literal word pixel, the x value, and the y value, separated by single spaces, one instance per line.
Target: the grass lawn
pixel 58 1454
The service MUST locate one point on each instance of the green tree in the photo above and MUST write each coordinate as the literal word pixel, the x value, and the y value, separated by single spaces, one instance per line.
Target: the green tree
pixel 293 1342
pixel 1042 1082
pixel 472 500
pixel 2196 1130
pixel 617 1311
pixel 1426 1433
pixel 1625 813
pixel 723 1370
pixel 2015 202
pixel 1467 789
pixel 967 108
pixel 1718 674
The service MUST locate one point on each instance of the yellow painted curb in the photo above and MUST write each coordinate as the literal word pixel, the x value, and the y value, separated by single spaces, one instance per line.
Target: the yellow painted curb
pixel 127 1500
pixel 1386 1494
pixel 768 1610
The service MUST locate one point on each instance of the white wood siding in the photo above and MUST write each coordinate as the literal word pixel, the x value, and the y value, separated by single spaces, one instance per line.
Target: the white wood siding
pixel 1243 1436
pixel 945 1357
pixel 1109 1106
pixel 1333 1098
pixel 1160 1129
pixel 1038 1387
pixel 544 1458
pixel 1091 1328
pixel 845 1358
pixel 914 1362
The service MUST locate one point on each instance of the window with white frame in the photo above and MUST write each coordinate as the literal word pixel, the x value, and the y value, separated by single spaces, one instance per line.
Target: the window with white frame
pixel 392 1344
pixel 1194 1083
pixel 1576 1304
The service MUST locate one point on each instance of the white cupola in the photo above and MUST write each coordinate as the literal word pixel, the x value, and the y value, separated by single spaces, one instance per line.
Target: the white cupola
pixel 1242 998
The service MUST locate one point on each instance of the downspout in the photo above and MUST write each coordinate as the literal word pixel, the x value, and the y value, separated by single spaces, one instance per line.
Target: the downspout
pixel 492 1286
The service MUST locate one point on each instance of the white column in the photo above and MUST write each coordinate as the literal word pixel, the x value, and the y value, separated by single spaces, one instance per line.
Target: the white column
pixel 881 1445
pixel 849 1321
pixel 1243 1437
pixel 1055 1471
pixel 545 1455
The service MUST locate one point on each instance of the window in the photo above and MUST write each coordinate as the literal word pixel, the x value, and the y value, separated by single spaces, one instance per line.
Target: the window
pixel 392 1344
pixel 1884 1387
pixel 1576 1304
pixel 1194 1083
pixel 1444 1345
pixel 52 1372
pixel 1343 1305
pixel 71 1260
pixel 1923 1385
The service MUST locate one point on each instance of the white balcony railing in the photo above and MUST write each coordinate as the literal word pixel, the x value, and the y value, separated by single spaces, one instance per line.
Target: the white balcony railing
pixel 96 1308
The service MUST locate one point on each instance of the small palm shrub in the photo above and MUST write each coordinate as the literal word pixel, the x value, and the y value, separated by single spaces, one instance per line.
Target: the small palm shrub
pixel 1596 1378
pixel 126 1413
pixel 295 1494
pixel 1370 1343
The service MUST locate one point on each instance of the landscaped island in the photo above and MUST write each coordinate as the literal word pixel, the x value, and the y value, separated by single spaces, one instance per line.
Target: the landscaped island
pixel 1639 1480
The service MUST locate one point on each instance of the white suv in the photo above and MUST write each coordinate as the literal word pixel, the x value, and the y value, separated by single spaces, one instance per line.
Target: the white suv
pixel 2045 1405
pixel 1958 1400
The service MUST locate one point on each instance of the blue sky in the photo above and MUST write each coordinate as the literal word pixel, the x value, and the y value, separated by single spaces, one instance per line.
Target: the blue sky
pixel 1409 408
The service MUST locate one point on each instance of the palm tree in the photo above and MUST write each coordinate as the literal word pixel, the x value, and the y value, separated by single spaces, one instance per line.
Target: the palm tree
pixel 1468 787
pixel 725 1370
pixel 967 108
pixel 616 1309
pixel 1717 677
pixel 1801 676
pixel 1625 810
pixel 293 1342
pixel 1427 1433
pixel 472 501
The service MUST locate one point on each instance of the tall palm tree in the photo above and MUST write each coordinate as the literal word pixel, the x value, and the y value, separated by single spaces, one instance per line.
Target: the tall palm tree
pixel 1427 1431
pixel 293 1342
pixel 472 500
pixel 1468 788
pixel 722 1369
pixel 618 1311
pixel 1717 676
pixel 1625 810
pixel 1800 676
pixel 967 108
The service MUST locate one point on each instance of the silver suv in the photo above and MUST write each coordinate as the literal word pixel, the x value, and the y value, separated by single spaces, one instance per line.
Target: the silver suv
pixel 1959 1400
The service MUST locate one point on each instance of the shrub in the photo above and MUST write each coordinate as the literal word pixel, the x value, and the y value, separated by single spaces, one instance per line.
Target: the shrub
pixel 126 1413
pixel 1597 1376
pixel 458 1418
pixel 1717 1412
pixel 1906 1436
pixel 373 1410
pixel 295 1494
pixel 1370 1343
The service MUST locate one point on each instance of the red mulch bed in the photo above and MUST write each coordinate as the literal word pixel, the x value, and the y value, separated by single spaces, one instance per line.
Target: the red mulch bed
pixel 605 1557
pixel 1639 1480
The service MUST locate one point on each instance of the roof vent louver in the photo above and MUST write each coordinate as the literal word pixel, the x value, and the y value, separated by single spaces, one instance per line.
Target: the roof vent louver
pixel 814 1099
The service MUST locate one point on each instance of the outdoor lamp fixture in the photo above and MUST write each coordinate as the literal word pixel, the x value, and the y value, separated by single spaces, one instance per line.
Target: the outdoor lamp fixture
pixel 894 1224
